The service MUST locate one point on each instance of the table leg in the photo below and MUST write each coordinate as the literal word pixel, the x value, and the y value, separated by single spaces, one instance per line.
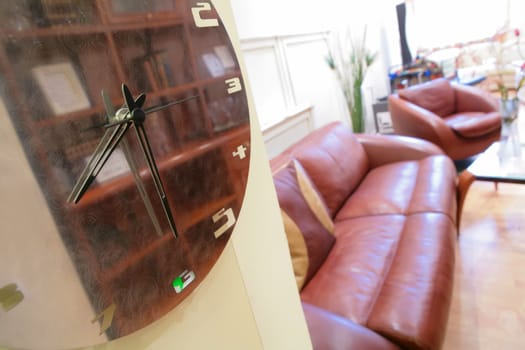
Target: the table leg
pixel 465 179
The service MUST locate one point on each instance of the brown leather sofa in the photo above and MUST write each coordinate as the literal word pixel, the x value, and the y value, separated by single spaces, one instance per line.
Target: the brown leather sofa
pixel 462 120
pixel 371 227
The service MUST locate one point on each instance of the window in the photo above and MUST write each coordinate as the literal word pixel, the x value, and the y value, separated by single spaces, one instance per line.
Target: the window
pixel 439 23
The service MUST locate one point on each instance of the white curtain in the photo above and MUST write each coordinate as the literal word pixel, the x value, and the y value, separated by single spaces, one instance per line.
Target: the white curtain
pixel 439 23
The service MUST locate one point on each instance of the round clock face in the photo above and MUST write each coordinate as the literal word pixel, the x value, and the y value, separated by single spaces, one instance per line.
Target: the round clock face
pixel 126 131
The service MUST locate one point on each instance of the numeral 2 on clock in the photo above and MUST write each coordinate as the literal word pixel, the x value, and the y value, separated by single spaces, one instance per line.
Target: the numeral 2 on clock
pixel 199 21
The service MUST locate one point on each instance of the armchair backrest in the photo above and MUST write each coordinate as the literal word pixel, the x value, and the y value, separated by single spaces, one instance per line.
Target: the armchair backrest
pixel 473 99
pixel 436 96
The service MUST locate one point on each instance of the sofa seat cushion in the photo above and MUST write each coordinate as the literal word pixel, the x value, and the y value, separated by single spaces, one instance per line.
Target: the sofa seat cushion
pixel 308 226
pixel 409 187
pixel 472 124
pixel 329 331
pixel 392 274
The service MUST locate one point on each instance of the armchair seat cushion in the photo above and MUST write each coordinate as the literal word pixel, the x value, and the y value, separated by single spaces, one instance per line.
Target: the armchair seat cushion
pixel 474 124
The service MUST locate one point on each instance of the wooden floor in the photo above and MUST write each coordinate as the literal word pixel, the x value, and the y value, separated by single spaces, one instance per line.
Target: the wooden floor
pixel 488 305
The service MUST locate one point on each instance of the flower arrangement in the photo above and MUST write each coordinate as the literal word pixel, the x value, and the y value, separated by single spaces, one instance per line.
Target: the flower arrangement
pixel 510 149
pixel 350 59
pixel 502 41
pixel 494 57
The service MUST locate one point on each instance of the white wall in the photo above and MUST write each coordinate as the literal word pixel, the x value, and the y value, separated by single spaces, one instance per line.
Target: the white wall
pixel 285 44
pixel 255 19
pixel 30 247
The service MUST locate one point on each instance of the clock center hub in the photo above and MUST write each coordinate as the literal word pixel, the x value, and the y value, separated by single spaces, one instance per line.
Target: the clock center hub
pixel 138 115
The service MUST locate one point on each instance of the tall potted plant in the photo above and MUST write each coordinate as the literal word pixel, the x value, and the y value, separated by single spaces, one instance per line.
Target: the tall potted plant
pixel 350 59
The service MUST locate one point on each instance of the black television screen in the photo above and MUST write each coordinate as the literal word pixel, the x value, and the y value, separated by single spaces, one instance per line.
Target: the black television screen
pixel 406 56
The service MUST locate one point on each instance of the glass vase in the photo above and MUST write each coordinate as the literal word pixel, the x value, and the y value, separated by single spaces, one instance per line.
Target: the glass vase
pixel 510 148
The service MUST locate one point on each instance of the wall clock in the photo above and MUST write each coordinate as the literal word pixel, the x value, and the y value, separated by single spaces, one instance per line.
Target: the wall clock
pixel 133 118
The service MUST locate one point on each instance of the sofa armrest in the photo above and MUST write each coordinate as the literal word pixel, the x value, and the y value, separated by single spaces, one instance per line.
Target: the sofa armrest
pixel 384 149
pixel 329 331
pixel 411 120
pixel 472 99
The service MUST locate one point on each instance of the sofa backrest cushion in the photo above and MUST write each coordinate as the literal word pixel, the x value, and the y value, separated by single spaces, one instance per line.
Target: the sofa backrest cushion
pixel 309 228
pixel 335 161
pixel 436 96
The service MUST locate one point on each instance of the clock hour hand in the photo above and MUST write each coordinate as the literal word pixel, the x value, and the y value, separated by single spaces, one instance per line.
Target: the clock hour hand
pixel 75 193
pixel 105 148
pixel 111 115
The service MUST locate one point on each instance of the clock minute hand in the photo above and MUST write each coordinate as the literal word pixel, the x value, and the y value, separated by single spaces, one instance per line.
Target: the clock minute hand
pixel 138 116
pixel 146 149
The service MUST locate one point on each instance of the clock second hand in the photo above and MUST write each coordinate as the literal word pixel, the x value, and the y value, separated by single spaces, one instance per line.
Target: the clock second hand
pixel 166 105
pixel 153 110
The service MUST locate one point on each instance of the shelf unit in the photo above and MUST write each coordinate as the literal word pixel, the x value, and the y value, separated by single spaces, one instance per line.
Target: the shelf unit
pixel 156 49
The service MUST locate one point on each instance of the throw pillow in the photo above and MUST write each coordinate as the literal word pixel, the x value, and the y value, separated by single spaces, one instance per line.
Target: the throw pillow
pixel 309 228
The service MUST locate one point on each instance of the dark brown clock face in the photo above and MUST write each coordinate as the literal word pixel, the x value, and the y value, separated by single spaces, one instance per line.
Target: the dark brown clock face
pixel 134 125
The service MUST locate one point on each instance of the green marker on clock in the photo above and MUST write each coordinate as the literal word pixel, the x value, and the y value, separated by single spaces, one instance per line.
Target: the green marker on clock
pixel 184 280
pixel 178 283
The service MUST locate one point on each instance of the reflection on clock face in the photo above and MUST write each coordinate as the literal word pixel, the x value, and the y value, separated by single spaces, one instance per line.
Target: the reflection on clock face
pixel 134 125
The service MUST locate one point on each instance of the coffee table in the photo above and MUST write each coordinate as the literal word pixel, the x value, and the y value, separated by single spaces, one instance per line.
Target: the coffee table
pixel 488 167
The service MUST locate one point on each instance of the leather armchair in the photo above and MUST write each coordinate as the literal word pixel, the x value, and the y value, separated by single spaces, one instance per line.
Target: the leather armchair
pixel 462 120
